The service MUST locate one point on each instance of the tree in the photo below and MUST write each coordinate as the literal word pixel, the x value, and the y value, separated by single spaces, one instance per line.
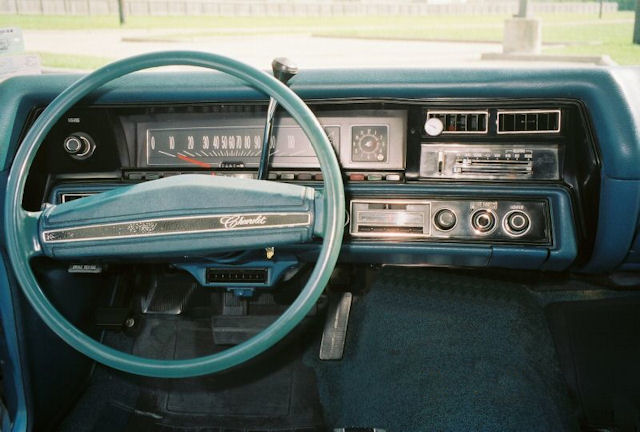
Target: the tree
pixel 636 26
pixel 121 11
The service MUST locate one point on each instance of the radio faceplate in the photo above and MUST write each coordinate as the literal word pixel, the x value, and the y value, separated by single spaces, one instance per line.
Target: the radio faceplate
pixel 469 220
pixel 489 162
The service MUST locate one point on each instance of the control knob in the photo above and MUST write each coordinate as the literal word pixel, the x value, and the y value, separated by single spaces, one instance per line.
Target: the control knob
pixel 79 146
pixel 483 221
pixel 517 222
pixel 445 219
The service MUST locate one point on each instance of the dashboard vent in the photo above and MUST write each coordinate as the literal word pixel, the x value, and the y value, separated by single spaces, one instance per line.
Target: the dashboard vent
pixel 529 122
pixel 462 122
pixel 70 196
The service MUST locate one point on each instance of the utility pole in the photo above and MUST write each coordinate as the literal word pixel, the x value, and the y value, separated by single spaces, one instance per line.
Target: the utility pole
pixel 636 26
pixel 121 11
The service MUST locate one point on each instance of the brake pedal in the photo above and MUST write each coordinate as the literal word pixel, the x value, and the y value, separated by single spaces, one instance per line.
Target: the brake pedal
pixel 334 335
pixel 167 297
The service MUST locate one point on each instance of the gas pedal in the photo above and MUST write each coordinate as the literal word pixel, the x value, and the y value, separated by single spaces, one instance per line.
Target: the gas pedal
pixel 334 335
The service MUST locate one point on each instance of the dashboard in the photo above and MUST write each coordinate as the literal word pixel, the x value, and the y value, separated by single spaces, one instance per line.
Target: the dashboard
pixel 477 177
pixel 532 170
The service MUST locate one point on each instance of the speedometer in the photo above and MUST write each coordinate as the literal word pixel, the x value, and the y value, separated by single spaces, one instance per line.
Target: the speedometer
pixel 229 146
pixel 220 140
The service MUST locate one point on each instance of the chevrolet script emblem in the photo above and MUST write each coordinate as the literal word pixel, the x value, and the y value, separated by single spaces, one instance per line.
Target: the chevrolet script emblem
pixel 235 221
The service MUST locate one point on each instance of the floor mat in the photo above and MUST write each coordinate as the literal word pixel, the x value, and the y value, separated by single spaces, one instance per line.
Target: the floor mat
pixel 437 350
pixel 275 393
pixel 599 350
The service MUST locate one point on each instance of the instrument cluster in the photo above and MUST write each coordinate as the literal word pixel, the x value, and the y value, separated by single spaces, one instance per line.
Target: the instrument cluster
pixel 372 140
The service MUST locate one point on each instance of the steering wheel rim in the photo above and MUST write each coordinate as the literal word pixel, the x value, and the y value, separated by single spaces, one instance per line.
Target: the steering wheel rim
pixel 16 218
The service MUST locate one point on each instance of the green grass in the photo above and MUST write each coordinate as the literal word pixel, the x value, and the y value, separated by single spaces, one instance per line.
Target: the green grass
pixel 578 34
pixel 611 36
pixel 624 54
pixel 72 61
pixel 562 33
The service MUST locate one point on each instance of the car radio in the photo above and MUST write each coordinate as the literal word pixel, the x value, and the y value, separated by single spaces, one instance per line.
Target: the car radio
pixel 475 220
pixel 480 161
pixel 390 218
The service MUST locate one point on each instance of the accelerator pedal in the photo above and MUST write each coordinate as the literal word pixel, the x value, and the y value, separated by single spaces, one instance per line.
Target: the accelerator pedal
pixel 334 335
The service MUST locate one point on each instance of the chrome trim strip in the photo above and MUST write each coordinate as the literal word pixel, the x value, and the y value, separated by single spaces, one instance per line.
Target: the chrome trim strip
pixel 533 111
pixel 176 225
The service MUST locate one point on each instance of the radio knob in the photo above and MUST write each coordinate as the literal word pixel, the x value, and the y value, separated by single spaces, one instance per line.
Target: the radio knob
pixel 483 221
pixel 518 222
pixel 445 219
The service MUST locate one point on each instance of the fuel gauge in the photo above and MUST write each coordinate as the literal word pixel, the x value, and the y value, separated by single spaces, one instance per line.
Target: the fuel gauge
pixel 369 143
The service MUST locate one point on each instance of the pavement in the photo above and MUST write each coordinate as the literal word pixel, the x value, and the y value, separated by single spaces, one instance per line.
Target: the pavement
pixel 306 50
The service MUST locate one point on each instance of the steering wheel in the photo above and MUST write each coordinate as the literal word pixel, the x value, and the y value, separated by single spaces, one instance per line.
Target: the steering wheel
pixel 181 216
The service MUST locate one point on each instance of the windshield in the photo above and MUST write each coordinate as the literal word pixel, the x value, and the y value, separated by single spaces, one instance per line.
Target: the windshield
pixel 70 35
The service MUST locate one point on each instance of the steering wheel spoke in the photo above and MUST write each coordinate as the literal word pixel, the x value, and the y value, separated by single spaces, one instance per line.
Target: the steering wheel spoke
pixel 30 232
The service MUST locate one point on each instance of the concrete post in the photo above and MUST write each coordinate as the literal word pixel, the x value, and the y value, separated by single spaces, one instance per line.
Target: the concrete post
pixel 522 33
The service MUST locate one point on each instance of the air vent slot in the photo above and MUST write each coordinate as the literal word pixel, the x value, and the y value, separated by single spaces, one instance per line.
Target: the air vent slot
pixel 71 196
pixel 235 275
pixel 529 122
pixel 462 122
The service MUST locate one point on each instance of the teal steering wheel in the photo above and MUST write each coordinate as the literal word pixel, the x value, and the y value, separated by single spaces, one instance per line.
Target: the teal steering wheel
pixel 52 232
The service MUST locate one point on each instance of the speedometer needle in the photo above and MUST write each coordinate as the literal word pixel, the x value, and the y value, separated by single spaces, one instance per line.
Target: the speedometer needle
pixel 193 161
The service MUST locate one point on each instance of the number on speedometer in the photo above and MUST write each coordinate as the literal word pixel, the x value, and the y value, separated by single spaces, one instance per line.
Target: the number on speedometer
pixel 214 147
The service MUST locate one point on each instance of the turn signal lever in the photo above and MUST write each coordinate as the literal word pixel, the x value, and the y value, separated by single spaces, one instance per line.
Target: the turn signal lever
pixel 283 69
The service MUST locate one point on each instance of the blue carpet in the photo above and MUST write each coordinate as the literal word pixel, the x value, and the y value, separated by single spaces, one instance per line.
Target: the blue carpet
pixel 437 350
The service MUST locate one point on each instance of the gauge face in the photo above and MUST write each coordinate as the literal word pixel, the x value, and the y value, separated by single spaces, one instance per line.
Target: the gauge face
pixel 434 126
pixel 215 147
pixel 369 143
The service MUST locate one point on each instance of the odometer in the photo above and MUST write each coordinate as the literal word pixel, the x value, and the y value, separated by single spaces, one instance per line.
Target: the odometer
pixel 216 147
